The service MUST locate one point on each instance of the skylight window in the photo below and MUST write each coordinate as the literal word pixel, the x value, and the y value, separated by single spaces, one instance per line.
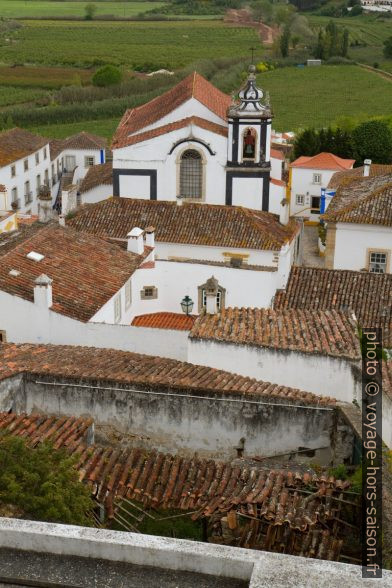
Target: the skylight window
pixel 14 273
pixel 34 256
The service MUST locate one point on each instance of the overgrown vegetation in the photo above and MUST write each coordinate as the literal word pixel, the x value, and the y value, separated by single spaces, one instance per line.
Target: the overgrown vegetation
pixel 41 483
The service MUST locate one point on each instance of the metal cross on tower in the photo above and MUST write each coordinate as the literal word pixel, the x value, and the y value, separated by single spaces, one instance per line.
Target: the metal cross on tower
pixel 252 50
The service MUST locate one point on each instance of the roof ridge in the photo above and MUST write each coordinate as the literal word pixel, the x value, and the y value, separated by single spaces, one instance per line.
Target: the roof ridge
pixel 358 203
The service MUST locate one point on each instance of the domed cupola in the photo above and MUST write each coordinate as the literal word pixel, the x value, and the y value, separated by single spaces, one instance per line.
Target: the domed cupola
pixel 250 99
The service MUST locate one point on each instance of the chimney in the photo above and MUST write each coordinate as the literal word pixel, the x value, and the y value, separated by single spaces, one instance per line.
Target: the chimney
pixel 366 168
pixel 45 209
pixel 284 212
pixel 62 220
pixel 150 237
pixel 43 291
pixel 135 241
pixel 211 294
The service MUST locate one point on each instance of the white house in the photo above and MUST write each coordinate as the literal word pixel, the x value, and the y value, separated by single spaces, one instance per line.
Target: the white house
pixel 307 177
pixel 97 184
pixel 359 225
pixel 250 252
pixel 313 350
pixel 194 143
pixel 24 168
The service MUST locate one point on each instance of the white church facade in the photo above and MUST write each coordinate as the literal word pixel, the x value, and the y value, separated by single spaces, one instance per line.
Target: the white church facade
pixel 195 144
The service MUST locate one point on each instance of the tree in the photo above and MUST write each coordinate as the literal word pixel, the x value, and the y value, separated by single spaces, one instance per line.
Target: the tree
pixel 345 43
pixel 285 41
pixel 373 140
pixel 388 48
pixel 108 75
pixel 295 39
pixel 89 11
pixel 306 143
pixel 42 482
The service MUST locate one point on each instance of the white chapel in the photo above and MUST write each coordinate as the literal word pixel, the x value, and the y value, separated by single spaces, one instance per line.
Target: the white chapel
pixel 195 143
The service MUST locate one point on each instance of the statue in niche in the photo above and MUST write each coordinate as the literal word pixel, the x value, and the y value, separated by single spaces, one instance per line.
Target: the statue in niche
pixel 249 148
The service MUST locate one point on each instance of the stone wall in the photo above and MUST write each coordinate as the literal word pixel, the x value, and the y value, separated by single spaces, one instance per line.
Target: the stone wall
pixel 184 421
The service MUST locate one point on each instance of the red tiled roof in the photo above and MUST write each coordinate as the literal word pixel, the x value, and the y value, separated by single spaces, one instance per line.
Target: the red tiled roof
pixel 323 161
pixel 294 502
pixel 17 143
pixel 174 126
pixel 369 295
pixel 97 175
pixel 86 270
pixel 317 332
pixel 342 177
pixel 193 86
pixel 276 154
pixel 165 320
pixel 196 224
pixel 363 201
pixel 91 363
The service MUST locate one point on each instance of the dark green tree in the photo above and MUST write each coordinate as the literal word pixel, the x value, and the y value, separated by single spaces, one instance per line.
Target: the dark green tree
pixel 373 139
pixel 345 43
pixel 89 11
pixel 108 75
pixel 388 48
pixel 306 143
pixel 284 41
pixel 42 482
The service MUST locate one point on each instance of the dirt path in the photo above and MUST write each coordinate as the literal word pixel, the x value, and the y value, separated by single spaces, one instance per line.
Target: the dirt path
pixel 383 74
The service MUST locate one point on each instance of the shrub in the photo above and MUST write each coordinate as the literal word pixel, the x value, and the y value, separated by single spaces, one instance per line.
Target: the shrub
pixel 108 75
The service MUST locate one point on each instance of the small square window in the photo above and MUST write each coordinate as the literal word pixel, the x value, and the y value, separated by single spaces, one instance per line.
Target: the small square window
pixel 316 178
pixel 13 171
pixel 117 308
pixel 299 199
pixel 37 158
pixel 26 164
pixel 149 293
pixel 128 294
pixel 89 161
pixel 378 262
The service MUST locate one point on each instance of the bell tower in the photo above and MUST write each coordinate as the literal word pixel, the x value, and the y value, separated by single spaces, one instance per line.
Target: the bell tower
pixel 248 150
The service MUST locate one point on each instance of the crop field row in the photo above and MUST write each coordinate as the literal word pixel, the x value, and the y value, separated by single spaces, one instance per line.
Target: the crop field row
pixel 163 44
pixel 43 77
pixel 367 29
pixel 10 95
pixel 37 9
pixel 317 96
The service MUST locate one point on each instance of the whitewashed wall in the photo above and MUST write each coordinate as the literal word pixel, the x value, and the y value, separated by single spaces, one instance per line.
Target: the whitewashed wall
pixel 97 194
pixel 276 168
pixel 302 183
pixel 23 176
pixel 79 155
pixel 353 241
pixel 314 373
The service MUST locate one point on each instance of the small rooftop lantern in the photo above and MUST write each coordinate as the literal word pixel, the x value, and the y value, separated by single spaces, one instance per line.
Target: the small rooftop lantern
pixel 187 304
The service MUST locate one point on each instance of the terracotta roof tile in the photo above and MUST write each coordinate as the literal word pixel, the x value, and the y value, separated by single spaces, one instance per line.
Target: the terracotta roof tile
pixel 369 295
pixel 86 270
pixel 82 141
pixel 174 126
pixel 17 143
pixel 124 367
pixel 197 224
pixel 341 177
pixel 317 332
pixel 193 86
pixel 362 200
pixel 276 154
pixel 164 320
pixel 289 500
pixel 323 161
pixel 277 182
pixel 97 175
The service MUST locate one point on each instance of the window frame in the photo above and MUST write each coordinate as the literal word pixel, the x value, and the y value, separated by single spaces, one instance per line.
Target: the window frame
pixel 26 164
pixel 13 171
pixel 117 308
pixel 303 199
pixel 37 158
pixel 315 209
pixel 317 175
pixel 3 336
pixel 369 264
pixel 86 160
pixel 154 293
pixel 202 174
pixel 128 294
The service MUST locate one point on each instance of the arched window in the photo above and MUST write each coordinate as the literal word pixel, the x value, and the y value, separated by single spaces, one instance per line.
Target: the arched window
pixel 191 174
pixel 249 144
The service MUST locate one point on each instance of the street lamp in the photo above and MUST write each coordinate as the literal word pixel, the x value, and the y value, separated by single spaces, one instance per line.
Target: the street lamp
pixel 187 305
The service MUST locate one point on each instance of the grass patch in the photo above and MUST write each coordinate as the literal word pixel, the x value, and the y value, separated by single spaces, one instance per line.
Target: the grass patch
pixel 317 96
pixel 103 128
pixel 10 95
pixel 161 44
pixel 43 77
pixel 37 9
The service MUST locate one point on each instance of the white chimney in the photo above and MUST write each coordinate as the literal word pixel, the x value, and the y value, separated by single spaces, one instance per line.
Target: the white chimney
pixel 366 168
pixel 43 291
pixel 135 241
pixel 45 209
pixel 284 212
pixel 211 295
pixel 62 220
pixel 150 237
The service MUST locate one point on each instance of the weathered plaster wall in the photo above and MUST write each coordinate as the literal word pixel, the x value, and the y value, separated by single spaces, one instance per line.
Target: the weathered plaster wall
pixel 183 421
